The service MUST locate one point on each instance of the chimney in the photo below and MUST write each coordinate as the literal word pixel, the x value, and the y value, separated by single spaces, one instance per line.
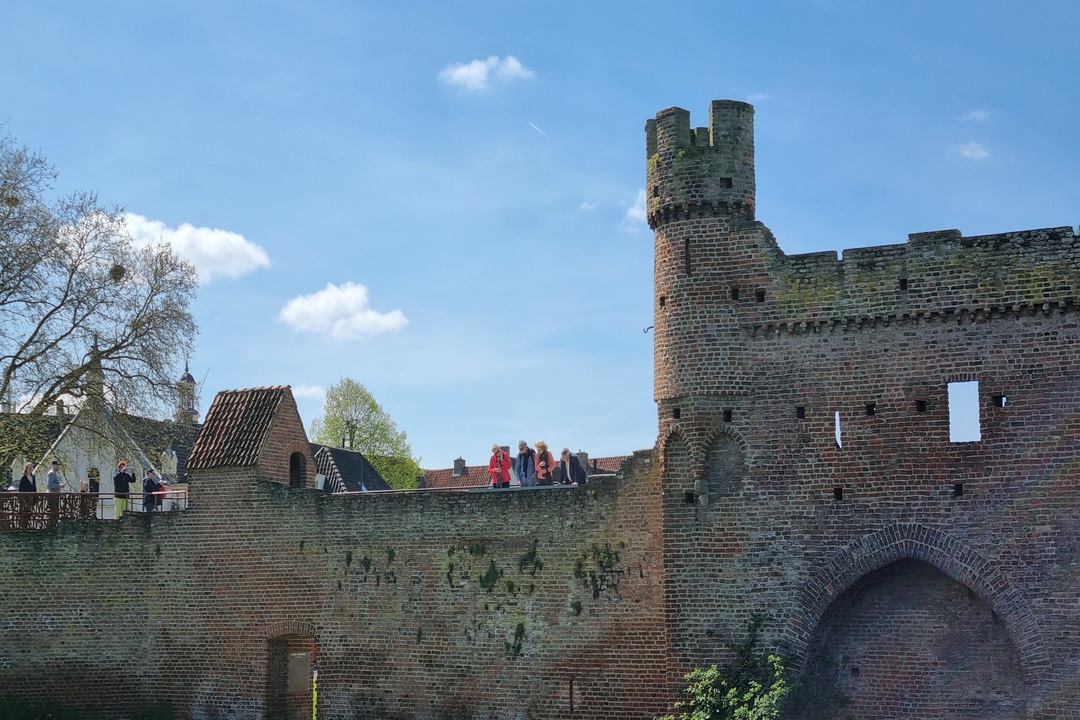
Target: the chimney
pixel 459 467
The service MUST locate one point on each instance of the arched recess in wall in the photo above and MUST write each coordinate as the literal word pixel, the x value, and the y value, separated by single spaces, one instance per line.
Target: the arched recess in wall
pixel 725 468
pixel 936 548
pixel 676 462
pixel 290 647
pixel 909 636
pixel 297 469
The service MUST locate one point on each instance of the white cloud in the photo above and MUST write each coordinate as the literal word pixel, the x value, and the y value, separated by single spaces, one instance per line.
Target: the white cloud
pixel 976 116
pixel 212 251
pixel 477 76
pixel 316 392
pixel 636 213
pixel 757 97
pixel 586 205
pixel 342 312
pixel 972 151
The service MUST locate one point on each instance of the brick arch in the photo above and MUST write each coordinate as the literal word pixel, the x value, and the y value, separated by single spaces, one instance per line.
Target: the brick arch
pixel 289 627
pixel 934 547
pixel 699 459
pixel 673 432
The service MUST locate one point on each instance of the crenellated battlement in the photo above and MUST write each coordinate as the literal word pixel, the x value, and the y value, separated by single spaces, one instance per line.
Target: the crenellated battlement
pixel 705 169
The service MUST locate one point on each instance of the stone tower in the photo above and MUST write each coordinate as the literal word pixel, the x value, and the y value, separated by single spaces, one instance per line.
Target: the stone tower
pixel 711 265
pixel 185 406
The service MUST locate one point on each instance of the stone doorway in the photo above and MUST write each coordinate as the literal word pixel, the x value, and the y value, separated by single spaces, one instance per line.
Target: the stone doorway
pixel 289 687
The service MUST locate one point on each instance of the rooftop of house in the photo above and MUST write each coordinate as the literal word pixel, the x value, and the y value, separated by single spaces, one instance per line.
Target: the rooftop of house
pixel 477 475
pixel 347 470
pixel 236 426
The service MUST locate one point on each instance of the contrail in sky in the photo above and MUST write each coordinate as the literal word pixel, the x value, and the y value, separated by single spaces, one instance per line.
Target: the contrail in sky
pixel 538 130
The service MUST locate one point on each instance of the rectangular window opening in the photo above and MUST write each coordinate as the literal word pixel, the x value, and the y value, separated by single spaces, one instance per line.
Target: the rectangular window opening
pixel 734 293
pixel 663 300
pixel 838 493
pixel 686 250
pixel 800 412
pixel 998 400
pixel 724 183
pixel 676 413
pixel 839 435
pixel 920 406
pixel 957 489
pixel 965 423
pixel 759 295
pixel 690 497
pixel 871 408
pixel 903 283
pixel 727 416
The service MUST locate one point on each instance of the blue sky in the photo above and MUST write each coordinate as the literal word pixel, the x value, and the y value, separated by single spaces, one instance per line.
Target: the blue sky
pixel 441 200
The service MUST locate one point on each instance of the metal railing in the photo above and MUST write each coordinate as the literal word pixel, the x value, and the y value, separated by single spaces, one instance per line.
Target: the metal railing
pixel 34 512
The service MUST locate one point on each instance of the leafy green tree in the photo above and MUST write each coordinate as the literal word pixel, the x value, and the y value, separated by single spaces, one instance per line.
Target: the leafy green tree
pixel 353 419
pixel 750 687
pixel 77 293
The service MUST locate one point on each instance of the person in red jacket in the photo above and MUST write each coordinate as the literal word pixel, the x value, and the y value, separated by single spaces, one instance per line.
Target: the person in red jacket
pixel 499 466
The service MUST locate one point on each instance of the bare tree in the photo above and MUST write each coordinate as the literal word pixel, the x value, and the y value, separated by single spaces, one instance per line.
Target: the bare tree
pixel 77 293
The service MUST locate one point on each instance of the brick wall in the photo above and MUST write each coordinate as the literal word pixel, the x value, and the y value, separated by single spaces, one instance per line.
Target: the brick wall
pixel 757 352
pixel 538 604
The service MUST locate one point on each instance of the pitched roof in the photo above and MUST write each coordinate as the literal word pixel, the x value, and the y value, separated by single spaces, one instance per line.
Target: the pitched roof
pixel 477 475
pixel 236 427
pixel 347 470
pixel 471 476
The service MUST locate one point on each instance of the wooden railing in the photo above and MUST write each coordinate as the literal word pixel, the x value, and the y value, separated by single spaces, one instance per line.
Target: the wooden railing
pixel 33 512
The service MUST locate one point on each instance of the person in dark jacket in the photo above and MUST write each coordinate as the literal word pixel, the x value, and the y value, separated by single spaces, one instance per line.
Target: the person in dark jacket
pixel 122 481
pixel 572 472
pixel 28 483
pixel 151 486
pixel 525 465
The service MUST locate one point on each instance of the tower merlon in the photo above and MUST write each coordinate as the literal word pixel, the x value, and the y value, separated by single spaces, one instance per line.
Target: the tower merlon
pixel 705 169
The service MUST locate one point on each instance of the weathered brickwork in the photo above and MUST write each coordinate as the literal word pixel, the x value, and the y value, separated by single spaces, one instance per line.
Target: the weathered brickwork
pixel 756 355
pixel 804 471
pixel 531 604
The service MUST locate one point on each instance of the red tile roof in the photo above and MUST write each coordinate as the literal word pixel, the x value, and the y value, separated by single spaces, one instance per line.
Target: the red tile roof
pixel 236 427
pixel 477 475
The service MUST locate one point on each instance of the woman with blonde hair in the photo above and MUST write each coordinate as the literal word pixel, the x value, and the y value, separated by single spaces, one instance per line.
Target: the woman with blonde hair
pixel 28 483
pixel 545 463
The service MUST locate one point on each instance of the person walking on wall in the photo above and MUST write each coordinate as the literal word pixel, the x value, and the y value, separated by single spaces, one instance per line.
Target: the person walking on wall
pixel 28 483
pixel 545 464
pixel 572 472
pixel 122 481
pixel 525 465
pixel 52 481
pixel 152 488
pixel 499 467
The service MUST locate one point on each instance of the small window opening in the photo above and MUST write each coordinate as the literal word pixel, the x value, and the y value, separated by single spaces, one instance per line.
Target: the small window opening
pixel 734 293
pixel 656 191
pixel 724 183
pixel 838 493
pixel 903 283
pixel 957 489
pixel 871 408
pixel 800 412
pixel 854 672
pixel 676 413
pixel 296 470
pixel 965 424
pixel 727 416
pixel 839 435
pixel 686 252
pixel 690 497
pixel 759 295
pixel 663 300
pixel 920 406
pixel 998 400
